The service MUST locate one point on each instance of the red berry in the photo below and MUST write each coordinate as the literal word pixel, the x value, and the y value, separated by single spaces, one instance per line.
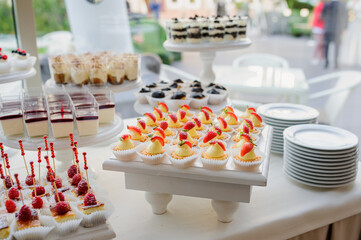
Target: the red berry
pixel 8 182
pixel 61 208
pixel 37 203
pixel 10 206
pixel 76 179
pixel 183 135
pixel 40 190
pixel 4 57
pixel 29 180
pixel 82 187
pixel 72 171
pixel 58 183
pixel 163 125
pixel 90 200
pixel 48 174
pixel 24 213
pixel 13 193
pixel 61 196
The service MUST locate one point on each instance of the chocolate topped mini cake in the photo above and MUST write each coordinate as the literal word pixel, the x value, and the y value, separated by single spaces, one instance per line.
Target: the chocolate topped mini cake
pixel 174 85
pixel 166 89
pixel 153 85
pixel 158 94
pixel 213 91
pixel 198 96
pixel 220 87
pixel 144 90
pixel 197 89
pixel 179 95
pixel 178 81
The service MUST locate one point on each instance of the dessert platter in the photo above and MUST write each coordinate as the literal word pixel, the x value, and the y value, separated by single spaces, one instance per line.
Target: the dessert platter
pixel 120 72
pixel 207 36
pixel 220 155
pixel 178 92
pixel 40 202
pixel 88 113
pixel 17 65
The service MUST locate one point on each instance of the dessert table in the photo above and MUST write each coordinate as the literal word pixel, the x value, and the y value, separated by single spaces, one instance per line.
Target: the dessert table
pixel 281 210
pixel 289 82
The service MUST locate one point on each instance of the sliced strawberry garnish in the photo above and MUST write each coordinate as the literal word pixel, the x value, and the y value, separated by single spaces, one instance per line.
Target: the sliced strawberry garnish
pixel 125 137
pixel 163 105
pixel 142 123
pixel 151 116
pixel 249 122
pixel 209 136
pixel 163 125
pixel 197 121
pixel 158 111
pixel 245 129
pixel 182 113
pixel 173 117
pixel 245 136
pixel 181 143
pixel 222 122
pixel 251 109
pixel 161 131
pixel 189 125
pixel 258 116
pixel 218 130
pixel 219 143
pixel 185 106
pixel 206 114
pixel 231 114
pixel 183 135
pixel 246 148
pixel 135 129
pixel 228 109
pixel 160 139
pixel 207 109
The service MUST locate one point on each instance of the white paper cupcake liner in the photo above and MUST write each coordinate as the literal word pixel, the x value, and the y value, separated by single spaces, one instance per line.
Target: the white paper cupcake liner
pixel 173 104
pixel 62 228
pixel 151 160
pixel 34 233
pixel 93 219
pixel 214 164
pixel 142 97
pixel 154 101
pixel 249 165
pixel 197 103
pixel 216 99
pixel 182 163
pixel 125 155
pixel 228 136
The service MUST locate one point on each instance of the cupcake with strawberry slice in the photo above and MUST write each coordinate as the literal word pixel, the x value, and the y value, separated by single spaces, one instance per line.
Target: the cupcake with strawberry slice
pixel 225 110
pixel 247 158
pixel 256 120
pixel 190 127
pixel 216 156
pixel 205 117
pixel 183 155
pixel 222 123
pixel 136 134
pixel 124 149
pixel 150 120
pixel 220 134
pixel 210 112
pixel 247 113
pixel 158 114
pixel 199 126
pixel 163 107
pixel 173 122
pixel 232 120
pixel 210 135
pixel 152 152
pixel 158 131
pixel 165 126
pixel 186 108
pixel 238 137
pixel 242 138
pixel 249 124
pixel 143 126
pixel 184 135
pixel 182 116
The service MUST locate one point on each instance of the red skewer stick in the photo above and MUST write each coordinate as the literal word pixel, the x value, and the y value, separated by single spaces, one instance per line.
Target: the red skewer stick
pixel 19 186
pixel 33 175
pixel 39 161
pixel 54 184
pixel 52 155
pixel 3 178
pixel 23 154
pixel 75 151
pixel 8 166
pixel 86 168
pixel 72 145
pixel 46 145
pixel 2 156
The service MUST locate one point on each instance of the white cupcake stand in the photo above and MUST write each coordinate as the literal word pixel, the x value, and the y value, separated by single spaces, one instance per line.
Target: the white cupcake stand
pixel 17 76
pixel 207 52
pixel 226 187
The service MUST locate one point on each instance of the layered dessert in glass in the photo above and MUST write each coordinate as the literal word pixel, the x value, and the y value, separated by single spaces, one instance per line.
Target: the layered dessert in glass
pixel 11 116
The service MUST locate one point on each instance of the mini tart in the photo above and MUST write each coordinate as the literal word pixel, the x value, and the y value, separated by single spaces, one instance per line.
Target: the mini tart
pixel 248 165
pixel 142 139
pixel 146 130
pixel 195 142
pixel 237 138
pixel 214 163
pixel 70 215
pixel 151 159
pixel 33 222
pixel 204 155
pixel 175 156
pixel 166 140
pixel 224 137
pixel 239 158
pixel 4 227
pixel 87 210
pixel 80 196
pixel 228 129
pixel 144 152
pixel 169 133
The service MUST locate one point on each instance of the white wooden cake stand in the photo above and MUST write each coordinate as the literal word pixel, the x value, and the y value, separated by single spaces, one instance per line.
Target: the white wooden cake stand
pixel 207 52
pixel 226 188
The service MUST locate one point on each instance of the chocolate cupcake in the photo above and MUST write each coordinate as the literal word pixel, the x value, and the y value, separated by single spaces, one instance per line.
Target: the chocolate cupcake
pixel 178 81
pixel 179 95
pixel 197 90
pixel 198 96
pixel 166 89
pixel 141 95
pixel 220 87
pixel 213 91
pixel 198 100
pixel 174 85
pixel 158 94
pixel 153 85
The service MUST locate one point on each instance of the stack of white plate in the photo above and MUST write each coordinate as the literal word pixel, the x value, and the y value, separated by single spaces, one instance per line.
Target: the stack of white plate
pixel 320 155
pixel 283 115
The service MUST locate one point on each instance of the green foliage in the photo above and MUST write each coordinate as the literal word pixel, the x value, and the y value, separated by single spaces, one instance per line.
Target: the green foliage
pixel 6 16
pixel 50 16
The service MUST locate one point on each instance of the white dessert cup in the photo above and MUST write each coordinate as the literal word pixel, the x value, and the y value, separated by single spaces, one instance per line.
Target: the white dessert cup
pixel 124 155
pixel 142 97
pixel 197 103
pixel 64 227
pixel 184 162
pixel 173 104
pixel 34 233
pixel 216 99
pixel 154 101
pixel 151 160
pixel 93 219
pixel 5 67
pixel 247 165
pixel 214 164
pixel 23 64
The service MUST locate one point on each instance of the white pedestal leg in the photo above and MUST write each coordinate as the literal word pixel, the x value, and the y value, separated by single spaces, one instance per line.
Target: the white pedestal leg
pixel 207 74
pixel 66 159
pixel 158 201
pixel 225 210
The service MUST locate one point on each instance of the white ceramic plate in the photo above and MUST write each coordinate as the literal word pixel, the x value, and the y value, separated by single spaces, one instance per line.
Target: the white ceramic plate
pixel 321 137
pixel 321 153
pixel 321 180
pixel 288 111
pixel 313 184
pixel 285 123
